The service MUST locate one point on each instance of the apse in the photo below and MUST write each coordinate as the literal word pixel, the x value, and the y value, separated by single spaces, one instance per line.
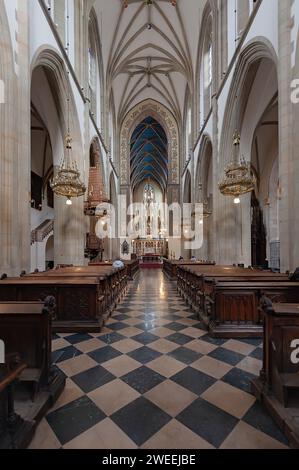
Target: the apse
pixel 149 154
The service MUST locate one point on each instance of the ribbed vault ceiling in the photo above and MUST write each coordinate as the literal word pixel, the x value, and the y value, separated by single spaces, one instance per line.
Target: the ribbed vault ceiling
pixel 149 153
pixel 149 51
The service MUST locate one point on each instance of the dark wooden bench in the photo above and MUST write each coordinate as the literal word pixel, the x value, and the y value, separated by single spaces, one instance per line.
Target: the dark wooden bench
pixel 113 282
pixel 80 301
pixel 132 266
pixel 232 309
pixel 278 384
pixel 26 327
pixel 15 432
pixel 170 267
pixel 226 298
pixel 85 295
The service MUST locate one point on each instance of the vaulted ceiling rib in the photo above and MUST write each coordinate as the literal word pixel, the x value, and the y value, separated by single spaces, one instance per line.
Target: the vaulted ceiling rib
pixel 149 51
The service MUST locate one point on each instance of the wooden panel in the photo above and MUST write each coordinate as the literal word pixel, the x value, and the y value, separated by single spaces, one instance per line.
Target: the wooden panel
pixel 236 307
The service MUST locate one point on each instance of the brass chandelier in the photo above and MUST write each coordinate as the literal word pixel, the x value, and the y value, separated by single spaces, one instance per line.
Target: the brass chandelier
pixel 239 178
pixel 67 182
pixel 206 212
pixel 148 2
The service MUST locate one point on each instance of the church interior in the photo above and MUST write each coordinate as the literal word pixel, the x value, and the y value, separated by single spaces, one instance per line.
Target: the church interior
pixel 149 281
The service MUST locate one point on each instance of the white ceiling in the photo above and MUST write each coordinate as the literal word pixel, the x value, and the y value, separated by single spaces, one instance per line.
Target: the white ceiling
pixel 142 63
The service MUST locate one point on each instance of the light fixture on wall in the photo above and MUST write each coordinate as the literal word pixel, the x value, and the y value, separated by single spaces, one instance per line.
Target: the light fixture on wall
pixel 239 178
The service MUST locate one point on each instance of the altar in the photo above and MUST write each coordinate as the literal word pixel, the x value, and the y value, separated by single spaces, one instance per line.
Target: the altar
pixel 150 247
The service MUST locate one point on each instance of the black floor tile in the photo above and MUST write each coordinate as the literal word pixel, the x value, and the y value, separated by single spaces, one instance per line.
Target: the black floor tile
pixel 240 379
pixel 140 420
pixel 117 326
pixel 171 318
pixel 145 338
pixel 185 355
pixel 104 354
pixel 124 309
pixel 257 354
pixel 111 338
pixel 144 354
pixel 208 421
pixel 147 325
pixel 74 418
pixel 78 338
pixel 224 355
pixel 175 326
pixel 179 338
pixel 93 378
pixel 252 341
pixel 194 380
pixel 121 317
pixel 200 326
pixel 143 379
pixel 260 419
pixel 211 340
pixel 64 354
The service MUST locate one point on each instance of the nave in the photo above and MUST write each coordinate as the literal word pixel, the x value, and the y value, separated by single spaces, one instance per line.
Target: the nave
pixel 153 378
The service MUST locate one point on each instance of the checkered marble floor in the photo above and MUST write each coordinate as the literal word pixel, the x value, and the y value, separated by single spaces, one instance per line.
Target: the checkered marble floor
pixel 154 379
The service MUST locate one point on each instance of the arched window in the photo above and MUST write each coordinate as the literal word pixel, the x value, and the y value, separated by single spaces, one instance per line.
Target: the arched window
pixel 95 73
pixel 188 132
pixel 207 72
pixel 243 15
pixel 149 194
pixel 208 64
pixel 111 135
pixel 58 9
pixel 92 71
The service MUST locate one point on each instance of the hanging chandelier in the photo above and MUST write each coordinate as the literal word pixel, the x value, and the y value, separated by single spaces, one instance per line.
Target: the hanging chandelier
pixel 239 178
pixel 67 182
pixel 148 3
pixel 206 212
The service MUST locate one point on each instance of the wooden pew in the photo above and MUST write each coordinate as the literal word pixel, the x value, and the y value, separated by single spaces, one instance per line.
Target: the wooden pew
pixel 170 267
pixel 113 282
pixel 80 301
pixel 26 327
pixel 278 385
pixel 132 266
pixel 226 298
pixel 15 432
pixel 232 310
pixel 85 296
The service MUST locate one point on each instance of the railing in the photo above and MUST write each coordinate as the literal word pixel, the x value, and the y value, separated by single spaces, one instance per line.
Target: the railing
pixel 40 233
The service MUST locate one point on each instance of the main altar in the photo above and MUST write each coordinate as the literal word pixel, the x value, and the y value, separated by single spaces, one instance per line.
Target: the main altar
pixel 150 247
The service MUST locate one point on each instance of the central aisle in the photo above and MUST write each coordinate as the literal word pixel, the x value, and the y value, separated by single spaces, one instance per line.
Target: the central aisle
pixel 154 379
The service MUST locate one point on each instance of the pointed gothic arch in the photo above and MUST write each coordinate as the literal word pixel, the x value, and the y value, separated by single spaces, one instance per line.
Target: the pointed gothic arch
pixel 159 112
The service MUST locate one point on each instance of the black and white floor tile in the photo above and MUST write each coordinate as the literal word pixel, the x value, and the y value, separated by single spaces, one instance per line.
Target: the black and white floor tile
pixel 153 378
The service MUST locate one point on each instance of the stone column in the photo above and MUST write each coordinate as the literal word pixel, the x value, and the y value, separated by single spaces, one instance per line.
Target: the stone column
pixel 69 231
pixel 14 145
pixel 24 152
pixel 286 207
pixel 294 213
